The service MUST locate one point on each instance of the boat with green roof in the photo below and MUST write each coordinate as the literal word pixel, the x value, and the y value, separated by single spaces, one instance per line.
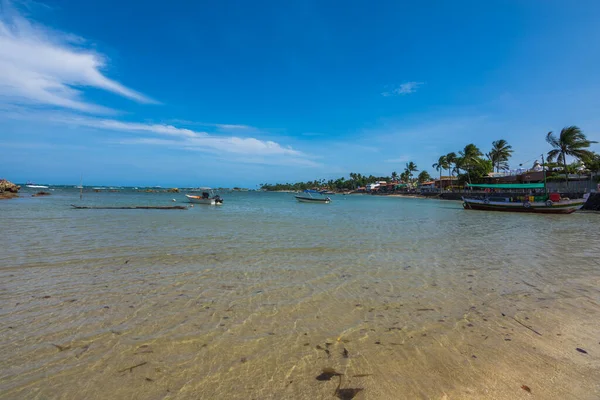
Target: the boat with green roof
pixel 531 202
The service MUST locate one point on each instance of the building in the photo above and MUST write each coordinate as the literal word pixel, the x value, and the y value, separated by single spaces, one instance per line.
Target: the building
pixel 428 186
pixel 445 182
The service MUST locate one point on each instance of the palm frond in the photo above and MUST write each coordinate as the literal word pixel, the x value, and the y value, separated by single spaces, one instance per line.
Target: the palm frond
pixel 552 140
pixel 553 154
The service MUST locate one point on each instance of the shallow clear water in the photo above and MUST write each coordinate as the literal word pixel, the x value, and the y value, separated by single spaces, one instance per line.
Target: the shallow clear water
pixel 254 298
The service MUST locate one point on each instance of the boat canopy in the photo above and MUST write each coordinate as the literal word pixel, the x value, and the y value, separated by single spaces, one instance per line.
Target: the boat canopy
pixel 311 191
pixel 507 185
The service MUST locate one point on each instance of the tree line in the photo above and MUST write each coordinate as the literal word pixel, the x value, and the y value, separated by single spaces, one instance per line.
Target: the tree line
pixel 471 165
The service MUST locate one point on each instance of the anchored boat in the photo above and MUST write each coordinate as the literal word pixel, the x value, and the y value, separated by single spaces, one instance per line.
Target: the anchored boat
pixel 533 203
pixel 309 198
pixel 208 197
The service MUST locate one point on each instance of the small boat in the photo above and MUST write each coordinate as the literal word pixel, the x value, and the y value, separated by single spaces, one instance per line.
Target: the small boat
pixel 208 197
pixel 309 198
pixel 546 204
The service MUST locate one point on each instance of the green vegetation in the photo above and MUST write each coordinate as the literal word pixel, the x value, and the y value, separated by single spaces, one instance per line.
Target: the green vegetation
pixel 592 162
pixel 340 184
pixel 424 177
pixel 499 155
pixel 571 142
pixel 410 168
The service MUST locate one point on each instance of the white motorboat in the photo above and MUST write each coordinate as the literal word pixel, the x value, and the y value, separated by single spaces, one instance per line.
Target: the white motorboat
pixel 309 198
pixel 208 197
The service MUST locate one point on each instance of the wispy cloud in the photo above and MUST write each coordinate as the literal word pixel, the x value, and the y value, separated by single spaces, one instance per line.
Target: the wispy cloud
pixel 183 138
pixel 41 66
pixel 403 89
pixel 221 127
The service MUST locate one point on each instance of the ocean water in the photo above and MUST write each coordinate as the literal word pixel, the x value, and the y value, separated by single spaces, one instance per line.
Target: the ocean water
pixel 403 297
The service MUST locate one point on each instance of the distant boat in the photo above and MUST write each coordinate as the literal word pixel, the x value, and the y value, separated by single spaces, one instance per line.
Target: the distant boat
pixel 309 198
pixel 546 204
pixel 208 197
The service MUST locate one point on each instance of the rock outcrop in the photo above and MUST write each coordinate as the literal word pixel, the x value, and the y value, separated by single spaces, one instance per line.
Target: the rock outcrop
pixel 8 189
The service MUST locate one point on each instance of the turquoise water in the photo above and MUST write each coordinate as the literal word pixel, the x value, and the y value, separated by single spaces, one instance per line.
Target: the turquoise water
pixel 232 301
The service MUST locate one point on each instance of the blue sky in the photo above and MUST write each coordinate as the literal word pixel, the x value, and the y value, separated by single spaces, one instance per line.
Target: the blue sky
pixel 225 93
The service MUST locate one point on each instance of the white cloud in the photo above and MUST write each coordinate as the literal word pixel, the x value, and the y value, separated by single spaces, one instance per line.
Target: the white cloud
pixel 184 138
pixel 230 127
pixel 403 89
pixel 44 67
pixel 221 127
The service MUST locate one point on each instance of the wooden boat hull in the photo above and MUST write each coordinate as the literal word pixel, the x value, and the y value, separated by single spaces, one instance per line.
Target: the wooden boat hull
pixel 562 207
pixel 304 199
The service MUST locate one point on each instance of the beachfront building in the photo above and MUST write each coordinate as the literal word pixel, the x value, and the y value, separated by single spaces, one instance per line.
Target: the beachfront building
pixel 428 186
pixel 581 181
pixel 445 183
pixel 381 186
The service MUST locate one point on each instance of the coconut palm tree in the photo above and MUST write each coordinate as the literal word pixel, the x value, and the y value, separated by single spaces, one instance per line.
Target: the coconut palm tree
pixel 571 142
pixel 441 164
pixel 410 168
pixel 451 160
pixel 394 176
pixel 469 158
pixel 404 177
pixel 499 155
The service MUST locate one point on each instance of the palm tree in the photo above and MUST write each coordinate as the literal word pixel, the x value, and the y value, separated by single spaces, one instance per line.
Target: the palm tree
pixel 441 164
pixel 571 142
pixel 469 158
pixel 499 155
pixel 451 160
pixel 424 177
pixel 404 176
pixel 410 168
pixel 394 176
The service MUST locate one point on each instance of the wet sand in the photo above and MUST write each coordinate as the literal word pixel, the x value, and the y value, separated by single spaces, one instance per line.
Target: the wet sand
pixel 226 334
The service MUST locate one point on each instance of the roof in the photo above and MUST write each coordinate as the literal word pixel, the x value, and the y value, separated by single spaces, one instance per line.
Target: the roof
pixel 507 185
